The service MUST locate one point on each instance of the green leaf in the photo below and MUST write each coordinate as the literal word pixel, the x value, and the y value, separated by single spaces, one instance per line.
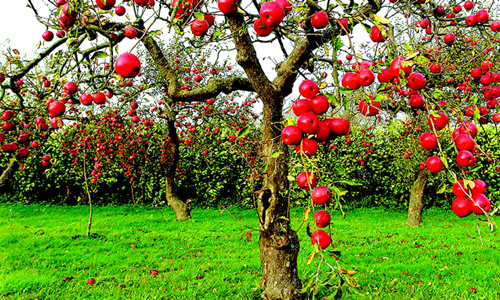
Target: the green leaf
pixel 332 99
pixel 441 189
pixel 100 54
pixel 244 132
pixel 199 16
pixel 438 94
pixel 368 28
pixel 407 48
pixel 276 154
pixel 346 90
pixel 337 45
pixel 264 169
pixel 421 60
pixel 445 161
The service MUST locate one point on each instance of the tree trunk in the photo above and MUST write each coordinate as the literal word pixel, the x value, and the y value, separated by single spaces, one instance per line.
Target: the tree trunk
pixel 417 199
pixel 6 175
pixel 182 209
pixel 279 244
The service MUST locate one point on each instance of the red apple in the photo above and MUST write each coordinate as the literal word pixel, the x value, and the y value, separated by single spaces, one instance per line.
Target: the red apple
pixel 416 81
pixel 385 76
pixel 7 115
pixel 127 65
pixel 2 137
pixel 471 20
pixel 131 33
pixel 464 142
pixel 495 118
pixel 350 80
pixel 339 126
pixel 459 189
pixel 369 109
pixel 287 6
pixel 439 121
pixel 272 14
pixel 322 218
pixel 48 36
pixel 464 158
pixel 366 77
pixel 479 187
pixel 495 26
pixel 70 88
pixel 323 132
pixel 428 141
pixel 377 35
pixel 23 152
pixel 56 109
pixel 449 38
pixel 8 126
pixel 319 104
pixel 291 135
pixel 308 122
pixel 480 204
pixel 99 98
pixel 468 128
pixel 304 180
pixel 416 101
pixel 199 28
pixel 319 20
pixel 261 29
pixel 321 195
pixel 434 164
pixel 210 19
pixel 462 207
pixel 86 99
pixel 321 238
pixel 105 4
pixel 397 66
pixel 308 88
pixel 120 10
pixel 307 146
pixel 483 16
pixel 227 6
pixel 301 106
pixel 492 103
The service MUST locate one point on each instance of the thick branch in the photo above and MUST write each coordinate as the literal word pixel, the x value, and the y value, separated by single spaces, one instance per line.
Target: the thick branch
pixel 247 58
pixel 213 88
pixel 304 46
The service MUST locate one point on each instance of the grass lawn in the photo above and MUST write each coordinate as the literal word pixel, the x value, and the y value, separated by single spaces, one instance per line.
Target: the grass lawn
pixel 44 254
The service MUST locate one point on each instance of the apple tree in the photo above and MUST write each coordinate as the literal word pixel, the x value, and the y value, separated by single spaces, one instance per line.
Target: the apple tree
pixel 304 36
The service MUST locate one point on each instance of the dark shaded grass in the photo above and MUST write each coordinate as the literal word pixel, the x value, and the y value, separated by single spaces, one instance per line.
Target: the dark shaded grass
pixel 211 258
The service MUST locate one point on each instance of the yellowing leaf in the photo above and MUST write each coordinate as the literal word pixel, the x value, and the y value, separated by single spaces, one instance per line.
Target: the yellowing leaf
pixel 378 19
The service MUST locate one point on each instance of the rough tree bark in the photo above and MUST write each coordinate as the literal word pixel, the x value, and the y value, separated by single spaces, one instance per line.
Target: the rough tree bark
pixel 6 175
pixel 417 199
pixel 279 244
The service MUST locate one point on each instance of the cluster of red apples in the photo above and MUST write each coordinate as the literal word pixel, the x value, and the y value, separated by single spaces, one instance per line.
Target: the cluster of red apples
pixel 305 137
pixel 470 198
pixel 127 65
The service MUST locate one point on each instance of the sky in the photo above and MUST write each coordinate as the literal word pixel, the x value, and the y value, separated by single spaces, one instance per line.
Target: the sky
pixel 19 25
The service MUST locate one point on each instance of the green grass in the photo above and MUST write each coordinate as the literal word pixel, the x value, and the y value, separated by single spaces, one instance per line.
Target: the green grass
pixel 207 258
